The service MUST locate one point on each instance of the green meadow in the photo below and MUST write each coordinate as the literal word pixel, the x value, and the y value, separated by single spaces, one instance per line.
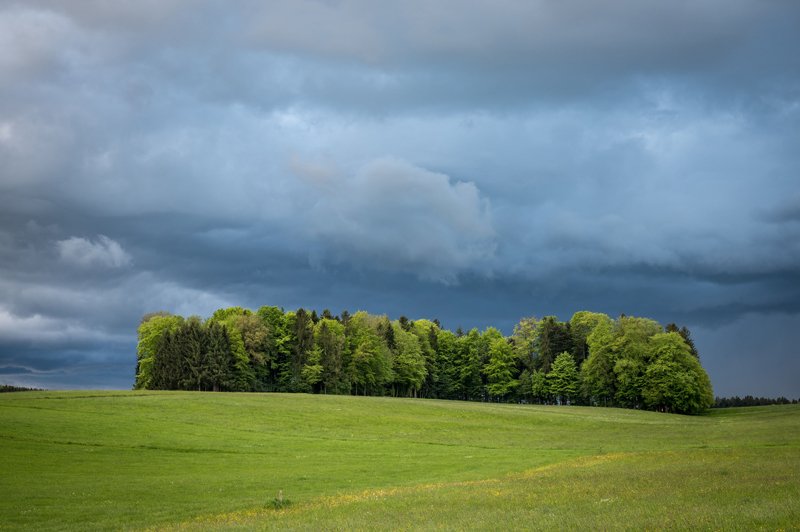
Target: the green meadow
pixel 183 460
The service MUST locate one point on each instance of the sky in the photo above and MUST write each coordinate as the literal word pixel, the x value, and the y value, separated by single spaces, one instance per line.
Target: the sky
pixel 471 161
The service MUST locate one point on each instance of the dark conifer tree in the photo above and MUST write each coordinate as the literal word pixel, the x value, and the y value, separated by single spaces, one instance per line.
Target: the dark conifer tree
pixel 387 330
pixel 167 367
pixel 552 338
pixel 405 323
pixel 194 347
pixel 220 358
pixel 304 342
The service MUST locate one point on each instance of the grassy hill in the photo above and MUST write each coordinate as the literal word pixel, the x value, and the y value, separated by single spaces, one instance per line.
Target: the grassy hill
pixel 77 460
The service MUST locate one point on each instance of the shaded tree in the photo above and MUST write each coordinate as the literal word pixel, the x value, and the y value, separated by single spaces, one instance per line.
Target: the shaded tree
pixel 329 338
pixel 552 337
pixel 219 358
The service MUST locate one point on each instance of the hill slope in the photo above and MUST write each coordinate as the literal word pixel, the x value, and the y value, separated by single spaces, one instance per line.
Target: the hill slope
pixel 137 459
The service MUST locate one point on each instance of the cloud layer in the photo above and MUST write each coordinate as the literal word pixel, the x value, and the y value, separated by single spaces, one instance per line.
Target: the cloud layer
pixel 104 252
pixel 474 162
pixel 394 216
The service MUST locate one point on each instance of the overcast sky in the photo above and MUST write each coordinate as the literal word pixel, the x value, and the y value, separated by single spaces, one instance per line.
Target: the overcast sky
pixel 471 161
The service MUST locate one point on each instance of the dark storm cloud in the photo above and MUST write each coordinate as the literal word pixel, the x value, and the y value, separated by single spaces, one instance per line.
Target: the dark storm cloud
pixel 474 162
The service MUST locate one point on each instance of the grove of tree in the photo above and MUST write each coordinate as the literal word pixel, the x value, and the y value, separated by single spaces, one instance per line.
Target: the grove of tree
pixel 592 359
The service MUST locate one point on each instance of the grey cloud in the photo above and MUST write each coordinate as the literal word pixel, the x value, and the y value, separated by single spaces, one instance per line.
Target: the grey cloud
pixel 486 30
pixel 42 330
pixel 638 157
pixel 761 347
pixel 361 56
pixel 103 252
pixel 392 215
pixel 785 212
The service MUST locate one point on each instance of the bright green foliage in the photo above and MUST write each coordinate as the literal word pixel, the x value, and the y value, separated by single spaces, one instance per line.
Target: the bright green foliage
pixel 633 334
pixel 370 365
pixel 366 354
pixel 426 333
pixel 469 361
pixel 312 370
pixel 229 314
pixel 524 340
pixel 599 380
pixel 446 349
pixel 242 375
pixel 675 381
pixel 490 335
pixel 632 345
pixel 581 326
pixel 329 338
pixel 256 340
pixel 539 388
pixel 409 363
pixel 563 380
pixel 686 335
pixel 150 331
pixel 629 379
pixel 499 369
pixel 619 355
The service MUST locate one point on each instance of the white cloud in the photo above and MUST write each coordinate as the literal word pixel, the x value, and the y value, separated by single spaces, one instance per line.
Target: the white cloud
pixel 103 252
pixel 41 314
pixel 394 216
pixel 44 330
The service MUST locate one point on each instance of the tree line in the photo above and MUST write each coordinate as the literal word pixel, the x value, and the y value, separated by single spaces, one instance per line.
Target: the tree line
pixel 591 359
pixel 4 388
pixel 749 400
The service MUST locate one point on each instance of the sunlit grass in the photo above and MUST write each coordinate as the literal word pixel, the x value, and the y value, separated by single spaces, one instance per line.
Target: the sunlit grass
pixel 135 460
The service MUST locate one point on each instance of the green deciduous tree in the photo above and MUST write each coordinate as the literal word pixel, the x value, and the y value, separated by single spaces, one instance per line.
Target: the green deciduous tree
pixel 370 365
pixel 499 370
pixel 150 332
pixel 598 378
pixel 539 389
pixel 627 362
pixel 675 381
pixel 563 379
pixel 409 363
pixel 242 374
pixel 581 325
pixel 312 371
pixel 329 337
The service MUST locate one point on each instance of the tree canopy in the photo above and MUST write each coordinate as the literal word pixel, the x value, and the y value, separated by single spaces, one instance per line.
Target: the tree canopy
pixel 591 359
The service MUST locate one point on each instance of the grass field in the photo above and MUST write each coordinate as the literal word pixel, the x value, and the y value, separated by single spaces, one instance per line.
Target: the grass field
pixel 99 460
